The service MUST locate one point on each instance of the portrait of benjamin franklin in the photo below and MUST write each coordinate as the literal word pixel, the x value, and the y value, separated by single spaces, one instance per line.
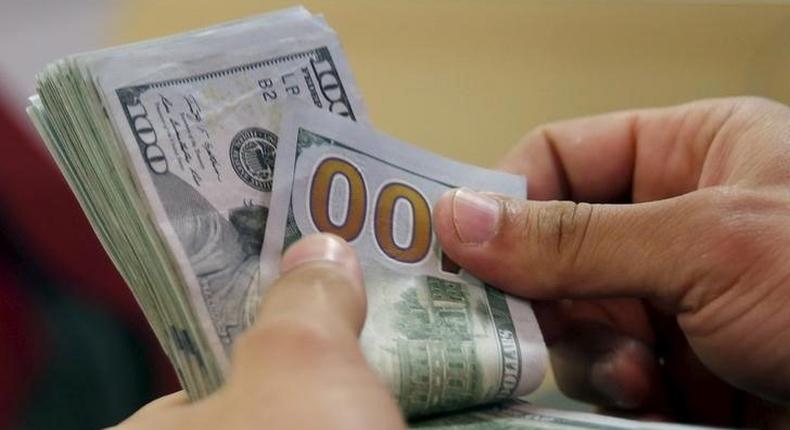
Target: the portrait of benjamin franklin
pixel 223 252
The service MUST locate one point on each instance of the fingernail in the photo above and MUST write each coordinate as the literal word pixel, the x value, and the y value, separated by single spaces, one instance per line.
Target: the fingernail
pixel 604 380
pixel 322 247
pixel 475 216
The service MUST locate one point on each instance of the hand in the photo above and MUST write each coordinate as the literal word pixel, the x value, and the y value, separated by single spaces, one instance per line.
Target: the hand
pixel 300 365
pixel 665 303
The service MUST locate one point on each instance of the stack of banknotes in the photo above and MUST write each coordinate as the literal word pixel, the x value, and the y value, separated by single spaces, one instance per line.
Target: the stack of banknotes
pixel 198 158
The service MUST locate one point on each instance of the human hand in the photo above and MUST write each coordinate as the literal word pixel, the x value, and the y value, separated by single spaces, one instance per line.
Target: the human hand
pixel 300 365
pixel 660 305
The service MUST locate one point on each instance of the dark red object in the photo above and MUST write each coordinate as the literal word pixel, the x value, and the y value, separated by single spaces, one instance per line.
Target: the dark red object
pixel 20 346
pixel 42 220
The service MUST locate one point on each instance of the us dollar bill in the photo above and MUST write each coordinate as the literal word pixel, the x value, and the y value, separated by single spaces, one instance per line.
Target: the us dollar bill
pixel 439 337
pixel 203 140
pixel 519 414
pixel 169 145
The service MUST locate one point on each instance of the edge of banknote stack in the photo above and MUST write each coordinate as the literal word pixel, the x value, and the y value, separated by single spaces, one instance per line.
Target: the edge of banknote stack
pixel 70 113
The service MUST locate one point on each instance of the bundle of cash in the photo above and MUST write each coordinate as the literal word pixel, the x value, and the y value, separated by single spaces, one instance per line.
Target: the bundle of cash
pixel 169 146
pixel 200 157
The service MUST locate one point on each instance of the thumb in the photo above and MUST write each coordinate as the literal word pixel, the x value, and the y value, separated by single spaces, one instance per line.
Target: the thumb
pixel 558 249
pixel 318 302
pixel 303 348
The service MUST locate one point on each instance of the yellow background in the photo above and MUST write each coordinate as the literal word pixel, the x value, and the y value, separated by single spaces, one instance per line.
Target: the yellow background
pixel 468 78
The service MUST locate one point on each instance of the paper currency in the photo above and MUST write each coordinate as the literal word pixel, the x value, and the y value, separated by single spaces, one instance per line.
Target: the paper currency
pixel 520 415
pixel 169 146
pixel 439 337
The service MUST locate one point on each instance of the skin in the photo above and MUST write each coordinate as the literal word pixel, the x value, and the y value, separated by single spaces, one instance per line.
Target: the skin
pixel 300 365
pixel 660 256
pixel 658 262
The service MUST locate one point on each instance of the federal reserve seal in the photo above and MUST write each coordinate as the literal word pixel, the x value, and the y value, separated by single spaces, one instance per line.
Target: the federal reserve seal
pixel 252 152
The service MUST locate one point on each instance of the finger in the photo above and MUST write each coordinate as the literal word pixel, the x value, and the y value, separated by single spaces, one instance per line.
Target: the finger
pixel 625 316
pixel 321 278
pixel 640 154
pixel 602 352
pixel 319 296
pixel 596 364
pixel 558 250
pixel 303 349
pixel 696 393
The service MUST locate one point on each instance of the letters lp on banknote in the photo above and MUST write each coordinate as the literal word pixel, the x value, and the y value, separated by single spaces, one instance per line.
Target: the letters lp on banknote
pixel 169 146
pixel 202 142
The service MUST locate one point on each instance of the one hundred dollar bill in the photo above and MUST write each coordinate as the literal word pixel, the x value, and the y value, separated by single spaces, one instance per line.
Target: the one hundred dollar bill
pixel 169 145
pixel 518 414
pixel 439 337
pixel 202 141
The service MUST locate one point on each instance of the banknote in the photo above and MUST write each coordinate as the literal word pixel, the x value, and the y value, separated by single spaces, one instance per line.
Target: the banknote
pixel 439 337
pixel 202 143
pixel 170 147
pixel 518 414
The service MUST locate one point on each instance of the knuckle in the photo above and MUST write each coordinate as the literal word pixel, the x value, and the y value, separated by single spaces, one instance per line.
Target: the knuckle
pixel 735 231
pixel 518 156
pixel 563 225
pixel 535 136
pixel 742 107
pixel 748 112
pixel 289 337
pixel 557 229
pixel 730 223
pixel 303 317
pixel 539 136
pixel 754 102
pixel 319 276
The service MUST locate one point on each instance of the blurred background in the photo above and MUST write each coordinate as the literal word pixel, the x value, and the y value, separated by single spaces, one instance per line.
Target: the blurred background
pixel 463 78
